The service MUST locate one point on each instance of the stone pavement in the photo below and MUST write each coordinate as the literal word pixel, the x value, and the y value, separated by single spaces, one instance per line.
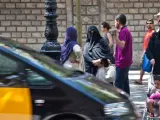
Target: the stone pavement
pixel 138 92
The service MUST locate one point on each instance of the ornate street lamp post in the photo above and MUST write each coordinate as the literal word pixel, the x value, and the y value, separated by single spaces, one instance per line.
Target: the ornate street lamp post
pixel 51 47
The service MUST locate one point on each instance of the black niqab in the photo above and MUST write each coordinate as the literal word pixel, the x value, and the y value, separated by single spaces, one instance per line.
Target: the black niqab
pixel 97 46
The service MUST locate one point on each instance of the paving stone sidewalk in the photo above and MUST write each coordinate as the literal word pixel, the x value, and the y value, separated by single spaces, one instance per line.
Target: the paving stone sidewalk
pixel 138 92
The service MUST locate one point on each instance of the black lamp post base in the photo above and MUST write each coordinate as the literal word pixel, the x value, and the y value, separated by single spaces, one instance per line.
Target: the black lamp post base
pixel 52 49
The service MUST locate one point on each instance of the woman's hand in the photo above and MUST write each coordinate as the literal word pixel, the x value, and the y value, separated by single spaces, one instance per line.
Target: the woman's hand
pixel 96 62
pixel 152 61
pixel 114 54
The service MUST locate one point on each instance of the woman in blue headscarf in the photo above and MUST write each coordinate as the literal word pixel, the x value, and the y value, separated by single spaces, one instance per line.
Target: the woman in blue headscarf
pixel 71 52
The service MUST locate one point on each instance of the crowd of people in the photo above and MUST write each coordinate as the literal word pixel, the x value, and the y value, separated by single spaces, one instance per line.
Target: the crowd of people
pixel 114 48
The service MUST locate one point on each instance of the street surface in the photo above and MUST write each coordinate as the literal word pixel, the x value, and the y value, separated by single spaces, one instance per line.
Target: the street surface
pixel 138 92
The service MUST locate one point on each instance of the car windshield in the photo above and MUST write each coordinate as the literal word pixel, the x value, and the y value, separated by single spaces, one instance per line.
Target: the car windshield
pixel 39 59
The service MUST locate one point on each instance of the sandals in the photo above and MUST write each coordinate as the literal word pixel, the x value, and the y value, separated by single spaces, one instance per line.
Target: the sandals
pixel 138 82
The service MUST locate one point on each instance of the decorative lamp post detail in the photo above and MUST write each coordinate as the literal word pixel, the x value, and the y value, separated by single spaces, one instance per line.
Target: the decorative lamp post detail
pixel 51 47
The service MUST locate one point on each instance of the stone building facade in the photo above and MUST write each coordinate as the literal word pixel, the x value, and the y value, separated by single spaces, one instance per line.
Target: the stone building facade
pixel 24 21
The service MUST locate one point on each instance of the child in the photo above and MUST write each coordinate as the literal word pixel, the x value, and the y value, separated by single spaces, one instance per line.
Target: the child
pixel 102 69
pixel 154 98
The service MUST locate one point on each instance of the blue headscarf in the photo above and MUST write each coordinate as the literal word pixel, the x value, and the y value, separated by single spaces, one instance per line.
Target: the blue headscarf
pixel 70 41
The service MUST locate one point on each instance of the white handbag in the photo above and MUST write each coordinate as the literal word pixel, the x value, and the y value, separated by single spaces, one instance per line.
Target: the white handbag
pixel 110 75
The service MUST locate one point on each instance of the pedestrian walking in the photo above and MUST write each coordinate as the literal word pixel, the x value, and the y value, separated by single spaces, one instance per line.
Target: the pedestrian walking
pixel 105 27
pixel 71 53
pixel 95 49
pixel 123 53
pixel 153 49
pixel 148 35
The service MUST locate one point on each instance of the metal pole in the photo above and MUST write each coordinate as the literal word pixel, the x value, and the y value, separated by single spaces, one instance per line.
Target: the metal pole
pixel 51 47
pixel 79 21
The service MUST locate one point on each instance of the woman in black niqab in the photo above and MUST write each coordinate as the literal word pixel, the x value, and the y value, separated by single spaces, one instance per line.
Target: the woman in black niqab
pixel 95 48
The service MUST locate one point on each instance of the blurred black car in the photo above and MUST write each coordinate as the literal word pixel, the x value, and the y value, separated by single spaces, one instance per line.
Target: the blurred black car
pixel 33 87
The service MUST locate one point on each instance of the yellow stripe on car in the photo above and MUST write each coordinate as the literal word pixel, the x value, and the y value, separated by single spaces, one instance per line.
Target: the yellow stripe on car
pixel 15 104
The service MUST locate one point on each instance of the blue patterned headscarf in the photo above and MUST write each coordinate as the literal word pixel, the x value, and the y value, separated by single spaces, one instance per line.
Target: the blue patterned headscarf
pixel 70 41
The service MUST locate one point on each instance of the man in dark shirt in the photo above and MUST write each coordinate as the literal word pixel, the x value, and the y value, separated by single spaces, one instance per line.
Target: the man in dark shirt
pixel 153 49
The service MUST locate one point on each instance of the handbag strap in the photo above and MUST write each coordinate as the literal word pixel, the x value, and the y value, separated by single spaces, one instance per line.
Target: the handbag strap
pixel 152 69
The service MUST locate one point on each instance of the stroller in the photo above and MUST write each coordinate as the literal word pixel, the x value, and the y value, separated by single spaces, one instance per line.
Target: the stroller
pixel 145 113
